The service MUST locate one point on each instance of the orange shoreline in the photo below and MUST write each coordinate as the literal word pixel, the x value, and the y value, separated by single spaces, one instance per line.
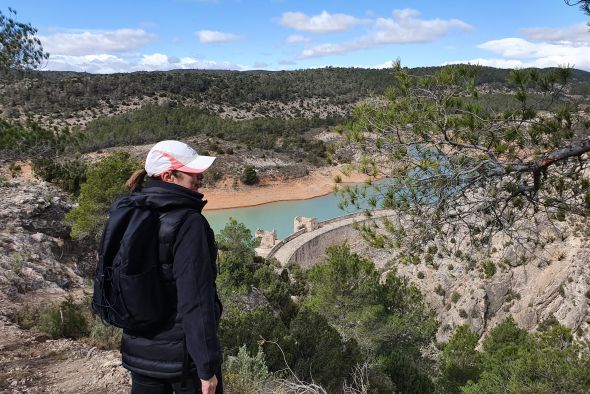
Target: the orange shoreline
pixel 318 183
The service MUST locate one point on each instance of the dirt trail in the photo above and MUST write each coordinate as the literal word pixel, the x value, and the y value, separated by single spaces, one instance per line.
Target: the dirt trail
pixel 32 363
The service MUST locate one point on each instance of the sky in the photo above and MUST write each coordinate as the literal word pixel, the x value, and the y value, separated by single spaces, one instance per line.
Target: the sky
pixel 110 36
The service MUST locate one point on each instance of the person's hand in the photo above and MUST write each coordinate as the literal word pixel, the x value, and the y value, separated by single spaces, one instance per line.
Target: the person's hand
pixel 208 386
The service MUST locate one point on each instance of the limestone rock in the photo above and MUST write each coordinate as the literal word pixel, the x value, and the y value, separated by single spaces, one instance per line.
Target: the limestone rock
pixel 36 251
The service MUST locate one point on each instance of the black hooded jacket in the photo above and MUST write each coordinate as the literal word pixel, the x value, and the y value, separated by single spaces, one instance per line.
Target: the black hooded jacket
pixel 188 255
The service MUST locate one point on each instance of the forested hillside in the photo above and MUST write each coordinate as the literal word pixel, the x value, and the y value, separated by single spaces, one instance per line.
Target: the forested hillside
pixel 61 94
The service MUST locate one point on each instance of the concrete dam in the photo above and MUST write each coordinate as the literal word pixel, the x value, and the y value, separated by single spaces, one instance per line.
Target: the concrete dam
pixel 308 244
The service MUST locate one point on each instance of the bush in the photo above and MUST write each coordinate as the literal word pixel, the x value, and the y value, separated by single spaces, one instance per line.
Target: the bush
pixel 65 320
pixel 211 176
pixel 27 317
pixel 515 361
pixel 105 182
pixel 439 290
pixel 460 362
pixel 240 327
pixel 31 140
pixel 386 318
pixel 249 176
pixel 244 373
pixel 455 297
pixel 489 269
pixel 104 336
pixel 277 290
pixel 319 353
pixel 236 257
pixel 68 174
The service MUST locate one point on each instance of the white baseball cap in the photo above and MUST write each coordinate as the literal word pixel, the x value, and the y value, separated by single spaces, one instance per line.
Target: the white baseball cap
pixel 175 155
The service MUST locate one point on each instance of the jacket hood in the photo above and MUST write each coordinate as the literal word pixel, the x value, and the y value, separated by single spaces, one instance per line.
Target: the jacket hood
pixel 167 196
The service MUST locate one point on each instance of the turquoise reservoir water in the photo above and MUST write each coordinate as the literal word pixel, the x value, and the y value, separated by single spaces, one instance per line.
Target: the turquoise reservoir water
pixel 277 215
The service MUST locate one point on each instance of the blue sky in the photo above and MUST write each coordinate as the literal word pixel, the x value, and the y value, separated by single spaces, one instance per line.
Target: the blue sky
pixel 120 36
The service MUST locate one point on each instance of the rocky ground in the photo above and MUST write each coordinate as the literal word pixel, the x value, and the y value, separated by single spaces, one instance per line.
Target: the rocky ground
pixel 39 263
pixel 32 363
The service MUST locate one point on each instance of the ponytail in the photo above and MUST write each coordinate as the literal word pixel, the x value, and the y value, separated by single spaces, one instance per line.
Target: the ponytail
pixel 135 181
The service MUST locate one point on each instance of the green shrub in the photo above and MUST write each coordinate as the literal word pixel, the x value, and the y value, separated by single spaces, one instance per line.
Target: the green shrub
pixel 439 290
pixel 105 182
pixel 67 174
pixel 277 290
pixel 240 327
pixel 14 169
pixel 17 261
pixel 31 140
pixel 212 176
pixel 460 362
pixel 317 351
pixel 104 336
pixel 27 316
pixel 249 176
pixel 236 258
pixel 64 320
pixel 245 373
pixel 489 269
pixel 455 297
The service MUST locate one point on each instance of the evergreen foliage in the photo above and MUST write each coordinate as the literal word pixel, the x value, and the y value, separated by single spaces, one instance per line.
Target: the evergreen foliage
pixel 31 141
pixel 105 182
pixel 57 92
pixel 318 352
pixel 515 361
pixel 154 123
pixel 65 320
pixel 457 166
pixel 249 176
pixel 245 373
pixel 460 362
pixel 68 174
pixel 19 46
pixel 388 320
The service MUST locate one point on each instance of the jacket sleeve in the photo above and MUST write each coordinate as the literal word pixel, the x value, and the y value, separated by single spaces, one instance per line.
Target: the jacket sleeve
pixel 194 273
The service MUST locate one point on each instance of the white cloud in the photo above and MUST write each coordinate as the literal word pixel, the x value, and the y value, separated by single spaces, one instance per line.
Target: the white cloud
pixel 105 64
pixel 511 47
pixel 497 63
pixel 541 47
pixel 322 23
pixel 297 39
pixel 93 42
pixel 387 64
pixel 157 59
pixel 100 64
pixel 541 54
pixel 576 35
pixel 405 27
pixel 212 36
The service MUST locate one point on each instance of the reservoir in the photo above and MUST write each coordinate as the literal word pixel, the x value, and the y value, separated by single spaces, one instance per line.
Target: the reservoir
pixel 278 215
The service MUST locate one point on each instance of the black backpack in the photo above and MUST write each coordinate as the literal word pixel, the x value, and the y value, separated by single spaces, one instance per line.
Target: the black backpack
pixel 129 290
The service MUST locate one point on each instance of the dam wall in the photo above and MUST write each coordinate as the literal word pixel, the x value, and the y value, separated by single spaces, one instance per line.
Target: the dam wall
pixel 306 248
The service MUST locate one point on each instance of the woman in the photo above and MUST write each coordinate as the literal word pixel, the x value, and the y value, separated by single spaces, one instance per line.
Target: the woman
pixel 183 356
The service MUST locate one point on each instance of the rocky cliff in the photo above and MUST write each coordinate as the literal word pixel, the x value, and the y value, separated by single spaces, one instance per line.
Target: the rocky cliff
pixel 36 252
pixel 534 283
